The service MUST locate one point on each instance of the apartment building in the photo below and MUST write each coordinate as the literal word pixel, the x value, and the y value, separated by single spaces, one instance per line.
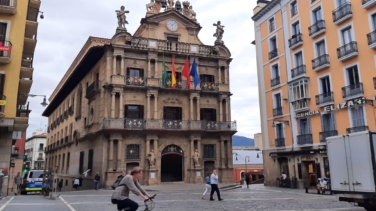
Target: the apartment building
pixel 316 67
pixel 117 106
pixel 18 39
pixel 34 150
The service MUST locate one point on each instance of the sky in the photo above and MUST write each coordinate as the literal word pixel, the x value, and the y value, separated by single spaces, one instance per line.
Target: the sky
pixel 68 24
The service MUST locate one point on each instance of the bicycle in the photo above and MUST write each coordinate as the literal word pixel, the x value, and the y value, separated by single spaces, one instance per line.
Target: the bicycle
pixel 148 204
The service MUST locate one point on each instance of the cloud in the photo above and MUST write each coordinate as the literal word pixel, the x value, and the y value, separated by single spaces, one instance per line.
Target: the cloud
pixel 68 24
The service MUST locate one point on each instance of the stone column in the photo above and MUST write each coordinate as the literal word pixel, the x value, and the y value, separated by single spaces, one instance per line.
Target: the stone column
pixel 119 154
pixel 148 106
pixel 156 148
pixel 226 75
pixel 192 153
pixel 198 109
pixel 114 65
pixel 123 65
pixel 191 108
pixel 219 74
pixel 155 106
pixel 105 104
pixel 108 68
pixel 111 156
pixel 113 104
pixel 223 153
pixel 149 76
pixel 220 111
pixel 121 106
pixel 227 115
pixel 147 146
pixel 156 68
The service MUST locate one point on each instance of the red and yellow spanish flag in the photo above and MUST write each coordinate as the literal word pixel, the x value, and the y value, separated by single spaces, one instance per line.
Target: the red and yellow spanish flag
pixel 173 75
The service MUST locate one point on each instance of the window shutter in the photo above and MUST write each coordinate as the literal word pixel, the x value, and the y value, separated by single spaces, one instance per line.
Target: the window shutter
pixel 141 114
pixel 2 81
pixel 125 111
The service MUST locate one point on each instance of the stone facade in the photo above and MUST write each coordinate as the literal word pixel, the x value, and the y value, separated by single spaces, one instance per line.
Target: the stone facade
pixel 116 111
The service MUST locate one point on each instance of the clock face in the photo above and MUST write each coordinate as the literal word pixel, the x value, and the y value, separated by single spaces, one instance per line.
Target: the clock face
pixel 172 25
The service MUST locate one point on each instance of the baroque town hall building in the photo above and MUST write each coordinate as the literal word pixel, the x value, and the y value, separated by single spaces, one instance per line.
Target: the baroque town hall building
pixel 112 111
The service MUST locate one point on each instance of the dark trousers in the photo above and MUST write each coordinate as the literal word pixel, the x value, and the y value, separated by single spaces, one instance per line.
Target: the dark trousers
pixel 247 181
pixel 214 187
pixel 126 203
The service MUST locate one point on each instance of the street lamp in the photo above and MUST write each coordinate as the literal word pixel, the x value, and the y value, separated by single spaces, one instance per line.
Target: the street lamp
pixel 245 159
pixel 44 103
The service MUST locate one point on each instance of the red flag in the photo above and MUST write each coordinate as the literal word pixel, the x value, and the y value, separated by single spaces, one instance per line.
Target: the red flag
pixel 185 73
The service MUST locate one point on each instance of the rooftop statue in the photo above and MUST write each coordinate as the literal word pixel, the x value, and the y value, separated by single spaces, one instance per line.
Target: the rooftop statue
pixel 188 11
pixel 219 33
pixel 121 17
pixel 150 7
pixel 178 6
pixel 171 4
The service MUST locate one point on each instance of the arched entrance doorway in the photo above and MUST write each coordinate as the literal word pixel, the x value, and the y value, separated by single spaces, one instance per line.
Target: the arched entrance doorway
pixel 172 167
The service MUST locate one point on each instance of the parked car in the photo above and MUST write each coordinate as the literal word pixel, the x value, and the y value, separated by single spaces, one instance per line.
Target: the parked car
pixel 32 181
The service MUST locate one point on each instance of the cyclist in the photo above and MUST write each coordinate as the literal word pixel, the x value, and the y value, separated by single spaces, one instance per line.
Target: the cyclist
pixel 129 183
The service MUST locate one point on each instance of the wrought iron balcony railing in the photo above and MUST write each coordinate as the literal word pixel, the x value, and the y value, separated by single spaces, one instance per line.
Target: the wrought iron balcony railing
pixel 371 37
pixel 134 124
pixel 134 81
pixel 278 111
pixel 273 54
pixel 352 90
pixel 271 27
pixel 294 10
pixel 299 70
pixel 209 86
pixel 168 84
pixel 341 12
pixel 368 3
pixel 275 81
pixel 356 129
pixel 317 27
pixel 6 53
pixel 280 142
pixel 305 139
pixel 295 39
pixel 301 104
pixel 8 3
pixel 325 134
pixel 23 111
pixel 320 62
pixel 210 125
pixel 92 89
pixel 324 98
pixel 27 60
pixel 347 49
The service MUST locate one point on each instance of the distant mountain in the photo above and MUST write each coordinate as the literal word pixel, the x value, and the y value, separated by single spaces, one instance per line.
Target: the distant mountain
pixel 241 141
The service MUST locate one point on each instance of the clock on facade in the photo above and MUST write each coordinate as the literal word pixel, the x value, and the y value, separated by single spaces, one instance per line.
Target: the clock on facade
pixel 172 25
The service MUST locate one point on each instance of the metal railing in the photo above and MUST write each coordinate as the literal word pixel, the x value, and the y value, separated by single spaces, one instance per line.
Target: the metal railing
pixel 209 86
pixel 32 14
pixel 295 39
pixel 352 90
pixel 275 81
pixel 294 10
pixel 347 49
pixel 92 88
pixel 134 124
pixel 366 1
pixel 273 54
pixel 6 53
pixel 280 142
pixel 324 98
pixel 320 61
pixel 299 70
pixel 168 84
pixel 277 111
pixel 371 37
pixel 325 134
pixel 316 27
pixel 271 27
pixel 2 107
pixel 301 104
pixel 135 81
pixel 23 111
pixel 9 3
pixel 342 11
pixel 305 139
pixel 357 129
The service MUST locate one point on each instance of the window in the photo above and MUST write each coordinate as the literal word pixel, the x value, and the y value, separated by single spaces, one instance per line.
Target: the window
pixel 346 35
pixel 271 25
pixel 326 167
pixel 63 162
pixel 294 8
pixel 207 78
pixel 299 94
pixel 172 39
pixel 298 59
pixel 2 82
pixel 328 122
pixel 79 103
pixel 169 80
pixel 208 114
pixel 135 77
pixel 277 100
pixel 353 75
pixel 279 131
pixel 68 159
pixel 133 152
pixel 341 2
pixel 275 71
pixel 40 155
pixel 373 19
pixel 41 146
pixel 172 113
pixel 273 44
pixel 357 116
pixel 295 28
pixel 305 126
pixel 81 164
pixel 3 32
pixel 209 151
pixel 320 48
pixel 325 84
pixel 134 112
pixel 317 15
pixel 90 161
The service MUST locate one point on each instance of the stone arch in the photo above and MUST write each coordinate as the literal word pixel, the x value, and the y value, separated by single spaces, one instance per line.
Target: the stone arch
pixel 168 143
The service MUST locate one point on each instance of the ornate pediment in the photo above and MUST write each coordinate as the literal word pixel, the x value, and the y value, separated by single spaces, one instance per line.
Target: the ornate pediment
pixel 121 38
pixel 173 101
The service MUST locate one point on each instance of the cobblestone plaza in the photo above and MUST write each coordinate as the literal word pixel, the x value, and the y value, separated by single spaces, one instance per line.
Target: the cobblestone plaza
pixel 257 197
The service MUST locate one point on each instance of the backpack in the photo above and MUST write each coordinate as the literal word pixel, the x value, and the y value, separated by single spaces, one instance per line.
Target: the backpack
pixel 117 182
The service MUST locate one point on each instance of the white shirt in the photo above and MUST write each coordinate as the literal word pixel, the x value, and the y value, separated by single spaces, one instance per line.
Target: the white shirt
pixel 284 176
pixel 76 182
pixel 323 183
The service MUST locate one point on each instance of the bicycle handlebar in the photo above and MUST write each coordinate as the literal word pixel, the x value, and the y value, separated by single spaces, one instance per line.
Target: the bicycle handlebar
pixel 150 198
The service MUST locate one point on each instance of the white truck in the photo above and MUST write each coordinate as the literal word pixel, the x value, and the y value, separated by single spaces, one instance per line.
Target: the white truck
pixel 353 168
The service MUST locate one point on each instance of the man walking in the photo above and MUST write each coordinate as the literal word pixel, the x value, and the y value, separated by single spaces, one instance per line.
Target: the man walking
pixel 97 179
pixel 247 178
pixel 214 186
pixel 17 183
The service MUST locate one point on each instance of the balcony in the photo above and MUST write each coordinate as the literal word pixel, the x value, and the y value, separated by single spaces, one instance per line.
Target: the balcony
pixel 179 84
pixel 320 63
pixel 357 129
pixel 352 91
pixel 280 142
pixel 324 99
pixel 271 27
pixel 40 159
pixel 325 134
pixel 223 87
pixel 25 86
pixel 366 4
pixel 317 28
pixel 295 41
pixel 374 83
pixel 347 51
pixel 92 90
pixel 275 81
pixel 70 110
pixel 273 54
pixel 209 86
pixel 134 81
pixel 342 13
pixel 21 122
pixel 118 80
pixel 305 139
pixel 27 65
pixel 5 55
pixel 277 111
pixel 3 102
pixel 141 124
pixel 301 104
pixel 8 7
pixel 371 37
pixel 298 71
